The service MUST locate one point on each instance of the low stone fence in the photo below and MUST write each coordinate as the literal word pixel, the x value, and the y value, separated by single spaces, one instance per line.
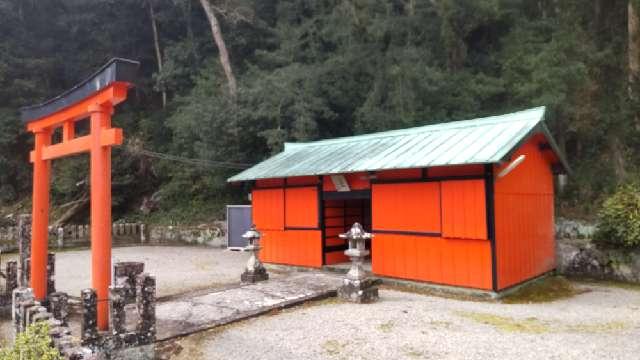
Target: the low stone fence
pixel 71 236
pixel 577 255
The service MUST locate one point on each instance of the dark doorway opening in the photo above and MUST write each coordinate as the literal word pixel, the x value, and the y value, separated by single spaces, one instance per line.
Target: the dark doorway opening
pixel 341 210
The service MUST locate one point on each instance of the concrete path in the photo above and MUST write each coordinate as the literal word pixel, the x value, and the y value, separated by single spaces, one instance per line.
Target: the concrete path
pixel 189 313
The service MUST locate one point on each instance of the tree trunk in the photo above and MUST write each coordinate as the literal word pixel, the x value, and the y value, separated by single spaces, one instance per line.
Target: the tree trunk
pixel 156 44
pixel 76 207
pixel 619 163
pixel 222 47
pixel 633 24
pixel 633 45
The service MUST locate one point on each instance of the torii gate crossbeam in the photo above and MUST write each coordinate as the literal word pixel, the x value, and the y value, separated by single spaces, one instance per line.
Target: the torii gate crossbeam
pixel 94 98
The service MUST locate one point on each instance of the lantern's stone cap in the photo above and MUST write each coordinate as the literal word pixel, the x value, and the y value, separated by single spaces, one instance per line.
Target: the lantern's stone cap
pixel 356 232
pixel 252 233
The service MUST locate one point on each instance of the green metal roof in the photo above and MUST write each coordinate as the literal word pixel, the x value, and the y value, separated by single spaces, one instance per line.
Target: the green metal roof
pixel 478 141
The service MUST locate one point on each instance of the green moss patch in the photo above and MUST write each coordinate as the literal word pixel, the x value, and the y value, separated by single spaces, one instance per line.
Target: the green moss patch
pixel 533 325
pixel 610 283
pixel 507 324
pixel 333 347
pixel 386 327
pixel 548 289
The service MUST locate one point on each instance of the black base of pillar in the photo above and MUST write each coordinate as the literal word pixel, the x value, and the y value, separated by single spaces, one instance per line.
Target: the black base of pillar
pixel 358 291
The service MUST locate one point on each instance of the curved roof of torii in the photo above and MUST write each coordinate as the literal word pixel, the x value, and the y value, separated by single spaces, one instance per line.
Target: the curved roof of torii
pixel 478 141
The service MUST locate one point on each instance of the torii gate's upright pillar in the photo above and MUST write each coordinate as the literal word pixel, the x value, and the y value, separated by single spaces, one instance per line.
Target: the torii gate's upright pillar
pixel 40 215
pixel 100 209
pixel 93 98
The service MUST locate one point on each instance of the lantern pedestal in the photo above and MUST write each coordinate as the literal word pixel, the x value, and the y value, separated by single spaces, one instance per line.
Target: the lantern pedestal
pixel 254 270
pixel 357 286
pixel 259 274
pixel 358 291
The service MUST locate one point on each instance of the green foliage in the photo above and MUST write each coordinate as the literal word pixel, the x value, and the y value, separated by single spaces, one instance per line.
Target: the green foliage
pixel 619 218
pixel 308 70
pixel 32 344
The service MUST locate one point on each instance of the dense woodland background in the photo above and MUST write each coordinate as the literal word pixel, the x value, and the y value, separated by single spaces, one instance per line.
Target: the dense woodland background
pixel 228 81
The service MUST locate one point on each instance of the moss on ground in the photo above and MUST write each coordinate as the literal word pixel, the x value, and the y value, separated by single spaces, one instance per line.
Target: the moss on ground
pixel 507 324
pixel 548 289
pixel 609 283
pixel 386 327
pixel 420 290
pixel 333 347
pixel 533 325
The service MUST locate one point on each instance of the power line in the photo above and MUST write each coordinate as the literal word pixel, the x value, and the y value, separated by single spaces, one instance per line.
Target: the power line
pixel 190 161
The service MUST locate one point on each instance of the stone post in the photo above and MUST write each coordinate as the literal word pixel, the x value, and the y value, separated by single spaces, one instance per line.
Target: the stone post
pixel 124 275
pixel 254 271
pixel 146 301
pixel 51 273
pixel 117 313
pixel 12 278
pixel 89 324
pixel 59 306
pixel 22 297
pixel 60 237
pixel 356 286
pixel 24 248
pixel 143 237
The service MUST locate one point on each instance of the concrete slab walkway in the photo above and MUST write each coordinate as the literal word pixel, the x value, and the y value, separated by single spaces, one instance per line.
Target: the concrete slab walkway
pixel 189 313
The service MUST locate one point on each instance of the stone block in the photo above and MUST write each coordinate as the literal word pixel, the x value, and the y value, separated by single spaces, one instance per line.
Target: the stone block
pixel 358 291
pixel 259 274
pixel 89 324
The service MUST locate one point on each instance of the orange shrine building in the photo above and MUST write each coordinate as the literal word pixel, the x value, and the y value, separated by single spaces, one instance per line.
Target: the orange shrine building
pixel 465 203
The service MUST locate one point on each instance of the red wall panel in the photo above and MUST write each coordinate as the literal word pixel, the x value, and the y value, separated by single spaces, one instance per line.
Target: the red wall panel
pixel 464 213
pixel 458 262
pixel 524 218
pixel 301 207
pixel 268 208
pixel 406 207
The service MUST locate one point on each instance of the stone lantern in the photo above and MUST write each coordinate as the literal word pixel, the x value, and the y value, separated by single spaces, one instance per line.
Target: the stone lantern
pixel 254 271
pixel 356 286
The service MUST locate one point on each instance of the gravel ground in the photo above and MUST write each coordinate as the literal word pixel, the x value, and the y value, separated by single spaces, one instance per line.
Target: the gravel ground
pixel 178 269
pixel 603 323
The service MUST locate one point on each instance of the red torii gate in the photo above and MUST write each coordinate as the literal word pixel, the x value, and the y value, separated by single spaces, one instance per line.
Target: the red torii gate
pixel 94 98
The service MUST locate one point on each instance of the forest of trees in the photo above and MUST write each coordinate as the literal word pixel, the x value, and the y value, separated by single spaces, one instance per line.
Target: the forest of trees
pixel 231 80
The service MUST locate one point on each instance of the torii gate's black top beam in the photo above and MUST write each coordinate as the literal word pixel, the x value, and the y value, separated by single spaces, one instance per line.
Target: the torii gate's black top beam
pixel 114 71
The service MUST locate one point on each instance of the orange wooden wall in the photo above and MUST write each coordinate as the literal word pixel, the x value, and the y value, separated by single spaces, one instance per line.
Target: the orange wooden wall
pixel 406 207
pixel 301 207
pixel 458 262
pixel 292 247
pixel 524 218
pixel 464 208
pixel 268 208
pixel 272 215
pixel 410 221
